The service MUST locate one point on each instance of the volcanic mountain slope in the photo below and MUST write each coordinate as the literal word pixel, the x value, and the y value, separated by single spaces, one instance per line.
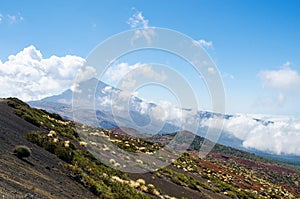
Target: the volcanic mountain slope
pixel 61 166
pixel 39 176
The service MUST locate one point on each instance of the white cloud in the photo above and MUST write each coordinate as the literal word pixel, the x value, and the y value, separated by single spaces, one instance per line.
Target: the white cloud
pixel 11 19
pixel 85 73
pixel 282 79
pixel 128 84
pixel 29 76
pixel 128 74
pixel 106 90
pixel 280 137
pixel 137 20
pixel 211 70
pixel 165 110
pixel 203 43
pixel 115 73
pixel 286 64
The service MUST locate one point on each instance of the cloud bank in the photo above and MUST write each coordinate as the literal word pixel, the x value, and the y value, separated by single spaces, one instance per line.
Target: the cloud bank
pixel 280 137
pixel 29 76
pixel 277 135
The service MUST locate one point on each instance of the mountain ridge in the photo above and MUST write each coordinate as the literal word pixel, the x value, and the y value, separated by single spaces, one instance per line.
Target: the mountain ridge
pixel 106 118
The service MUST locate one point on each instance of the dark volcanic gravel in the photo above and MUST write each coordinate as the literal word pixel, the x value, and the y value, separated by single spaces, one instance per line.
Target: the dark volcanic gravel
pixel 40 175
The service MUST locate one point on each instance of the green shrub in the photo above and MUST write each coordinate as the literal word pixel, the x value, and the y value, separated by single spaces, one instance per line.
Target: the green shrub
pixel 31 120
pixel 15 102
pixel 65 154
pixel 22 151
pixel 40 138
pixel 49 145
pixel 35 137
pixel 42 118
pixel 215 189
pixel 223 186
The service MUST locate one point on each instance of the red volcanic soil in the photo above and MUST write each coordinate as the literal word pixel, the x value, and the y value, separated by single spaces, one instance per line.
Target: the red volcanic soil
pixel 264 170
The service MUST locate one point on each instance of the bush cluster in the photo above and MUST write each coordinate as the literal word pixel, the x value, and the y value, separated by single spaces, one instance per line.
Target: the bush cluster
pixel 64 153
pixel 85 169
pixel 22 151
pixel 41 118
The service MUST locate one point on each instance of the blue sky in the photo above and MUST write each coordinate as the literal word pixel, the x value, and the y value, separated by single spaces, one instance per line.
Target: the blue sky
pixel 255 44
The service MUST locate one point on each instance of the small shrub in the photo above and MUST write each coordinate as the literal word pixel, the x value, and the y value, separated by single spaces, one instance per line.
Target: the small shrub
pixel 215 189
pixel 22 151
pixel 49 145
pixel 64 154
pixel 31 120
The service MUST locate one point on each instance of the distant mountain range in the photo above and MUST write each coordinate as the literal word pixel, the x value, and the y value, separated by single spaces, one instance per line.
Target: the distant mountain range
pixel 105 104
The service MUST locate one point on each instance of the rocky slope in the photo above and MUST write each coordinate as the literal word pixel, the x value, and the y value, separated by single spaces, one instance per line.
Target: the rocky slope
pixel 61 166
pixel 39 176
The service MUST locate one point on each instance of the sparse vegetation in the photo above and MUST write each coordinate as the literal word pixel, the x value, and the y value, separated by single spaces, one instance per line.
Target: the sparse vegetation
pixel 226 171
pixel 43 119
pixel 22 151
pixel 85 169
